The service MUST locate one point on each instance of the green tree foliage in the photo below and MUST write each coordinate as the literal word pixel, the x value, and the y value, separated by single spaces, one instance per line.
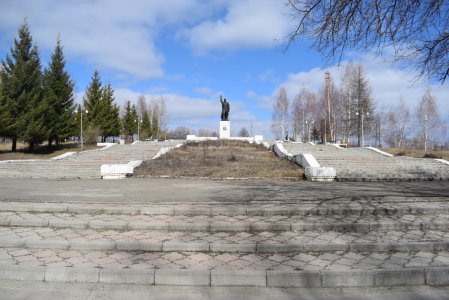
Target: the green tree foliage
pixel 22 91
pixel 145 130
pixel 6 120
pixel 109 119
pixel 58 95
pixel 103 114
pixel 129 120
pixel 92 101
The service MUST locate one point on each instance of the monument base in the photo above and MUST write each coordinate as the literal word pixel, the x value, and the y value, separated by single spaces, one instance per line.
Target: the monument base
pixel 225 130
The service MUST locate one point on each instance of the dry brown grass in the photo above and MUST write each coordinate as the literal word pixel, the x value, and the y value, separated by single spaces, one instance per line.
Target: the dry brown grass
pixel 418 153
pixel 41 152
pixel 221 160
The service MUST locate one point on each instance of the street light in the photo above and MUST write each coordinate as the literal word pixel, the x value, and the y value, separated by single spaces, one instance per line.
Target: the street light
pixel 362 115
pixel 138 128
pixel 81 131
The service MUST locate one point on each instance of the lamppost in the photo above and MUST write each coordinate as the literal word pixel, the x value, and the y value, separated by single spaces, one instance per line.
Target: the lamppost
pixel 81 131
pixel 362 115
pixel 138 128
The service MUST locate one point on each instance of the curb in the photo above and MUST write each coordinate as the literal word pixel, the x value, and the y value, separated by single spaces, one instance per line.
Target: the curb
pixel 219 226
pixel 213 247
pixel 432 276
pixel 213 211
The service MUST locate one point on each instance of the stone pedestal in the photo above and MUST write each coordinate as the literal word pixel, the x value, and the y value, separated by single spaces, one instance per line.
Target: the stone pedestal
pixel 225 130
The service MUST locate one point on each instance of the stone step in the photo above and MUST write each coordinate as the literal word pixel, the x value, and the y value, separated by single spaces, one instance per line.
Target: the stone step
pixel 352 223
pixel 312 269
pixel 398 206
pixel 245 242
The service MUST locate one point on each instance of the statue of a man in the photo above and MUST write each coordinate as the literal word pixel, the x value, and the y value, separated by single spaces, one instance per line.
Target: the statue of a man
pixel 224 109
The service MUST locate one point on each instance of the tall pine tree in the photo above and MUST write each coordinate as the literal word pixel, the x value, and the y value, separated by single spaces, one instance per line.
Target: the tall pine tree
pixel 145 131
pixel 92 101
pixel 22 91
pixel 129 120
pixel 5 117
pixel 58 95
pixel 109 114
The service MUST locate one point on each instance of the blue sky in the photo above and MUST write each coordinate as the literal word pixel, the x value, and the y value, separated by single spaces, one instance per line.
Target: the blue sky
pixel 191 51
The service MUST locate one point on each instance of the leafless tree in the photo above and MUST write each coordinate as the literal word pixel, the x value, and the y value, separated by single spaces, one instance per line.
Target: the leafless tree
pixel 398 119
pixel 311 109
pixel 159 118
pixel 298 115
pixel 417 31
pixel 141 106
pixel 243 132
pixel 329 103
pixel 427 116
pixel 205 133
pixel 358 102
pixel 180 133
pixel 280 117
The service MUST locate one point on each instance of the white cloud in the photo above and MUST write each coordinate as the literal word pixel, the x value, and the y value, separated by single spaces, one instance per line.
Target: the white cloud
pixel 115 35
pixel 246 24
pixel 206 91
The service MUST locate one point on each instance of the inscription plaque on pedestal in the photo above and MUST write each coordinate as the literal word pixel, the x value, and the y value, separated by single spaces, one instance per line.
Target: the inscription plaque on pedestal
pixel 225 130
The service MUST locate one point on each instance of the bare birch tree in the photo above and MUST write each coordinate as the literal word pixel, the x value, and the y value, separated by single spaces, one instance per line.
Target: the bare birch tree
pixel 427 116
pixel 298 115
pixel 359 102
pixel 280 117
pixel 398 119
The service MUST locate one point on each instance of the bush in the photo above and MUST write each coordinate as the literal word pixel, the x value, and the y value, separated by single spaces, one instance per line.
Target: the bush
pixel 430 155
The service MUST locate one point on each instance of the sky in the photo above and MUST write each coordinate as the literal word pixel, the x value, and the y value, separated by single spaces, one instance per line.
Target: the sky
pixel 191 51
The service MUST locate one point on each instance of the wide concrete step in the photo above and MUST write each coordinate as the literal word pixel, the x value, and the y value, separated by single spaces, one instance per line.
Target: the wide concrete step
pixel 398 206
pixel 204 241
pixel 360 164
pixel 84 165
pixel 311 269
pixel 356 223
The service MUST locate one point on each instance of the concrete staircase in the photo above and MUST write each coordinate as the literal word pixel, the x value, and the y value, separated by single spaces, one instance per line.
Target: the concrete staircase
pixel 332 242
pixel 84 165
pixel 363 164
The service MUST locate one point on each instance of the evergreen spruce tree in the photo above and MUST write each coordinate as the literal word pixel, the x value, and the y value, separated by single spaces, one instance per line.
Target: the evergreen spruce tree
pixel 109 118
pixel 22 91
pixel 92 101
pixel 6 120
pixel 129 120
pixel 155 125
pixel 58 95
pixel 146 125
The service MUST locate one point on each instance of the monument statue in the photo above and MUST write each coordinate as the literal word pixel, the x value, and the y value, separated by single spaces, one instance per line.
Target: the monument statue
pixel 224 109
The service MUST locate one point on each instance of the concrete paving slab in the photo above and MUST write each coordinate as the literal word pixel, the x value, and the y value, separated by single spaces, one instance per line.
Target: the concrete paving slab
pixel 13 272
pixel 126 276
pixel 400 277
pixel 348 278
pixel 238 278
pixel 66 274
pixel 182 277
pixel 300 279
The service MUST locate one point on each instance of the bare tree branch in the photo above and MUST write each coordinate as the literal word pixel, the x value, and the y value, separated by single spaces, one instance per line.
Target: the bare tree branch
pixel 416 30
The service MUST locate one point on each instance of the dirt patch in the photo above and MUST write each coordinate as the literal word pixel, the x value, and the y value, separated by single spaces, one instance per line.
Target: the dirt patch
pixel 220 160
pixel 418 153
